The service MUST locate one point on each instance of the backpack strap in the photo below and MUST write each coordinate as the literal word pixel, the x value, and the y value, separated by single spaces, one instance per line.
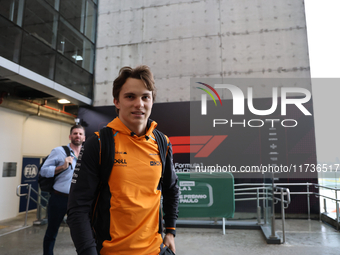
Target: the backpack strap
pixel 162 147
pixel 67 150
pixel 106 160
pixel 107 153
pixel 68 153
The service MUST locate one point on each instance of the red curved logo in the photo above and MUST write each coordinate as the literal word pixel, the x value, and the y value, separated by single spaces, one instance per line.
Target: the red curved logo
pixel 202 145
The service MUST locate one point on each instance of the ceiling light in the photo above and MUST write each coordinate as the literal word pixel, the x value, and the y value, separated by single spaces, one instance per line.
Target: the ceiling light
pixel 77 57
pixel 63 101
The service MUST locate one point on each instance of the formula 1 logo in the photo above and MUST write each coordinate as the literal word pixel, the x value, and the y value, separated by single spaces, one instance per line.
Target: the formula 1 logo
pixel 203 146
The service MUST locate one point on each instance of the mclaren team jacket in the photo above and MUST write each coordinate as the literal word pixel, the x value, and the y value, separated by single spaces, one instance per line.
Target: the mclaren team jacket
pixel 129 214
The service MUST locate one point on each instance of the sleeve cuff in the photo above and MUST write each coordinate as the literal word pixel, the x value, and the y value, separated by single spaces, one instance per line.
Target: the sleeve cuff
pixel 171 230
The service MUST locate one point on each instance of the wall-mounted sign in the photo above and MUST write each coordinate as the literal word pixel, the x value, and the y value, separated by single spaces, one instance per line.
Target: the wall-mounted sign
pixel 29 175
pixel 9 169
pixel 206 195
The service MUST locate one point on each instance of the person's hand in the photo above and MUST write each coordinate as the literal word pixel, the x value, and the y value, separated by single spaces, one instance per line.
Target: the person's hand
pixel 169 240
pixel 68 161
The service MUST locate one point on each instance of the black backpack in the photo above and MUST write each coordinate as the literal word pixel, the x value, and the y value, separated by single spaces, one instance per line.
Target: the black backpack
pixel 46 184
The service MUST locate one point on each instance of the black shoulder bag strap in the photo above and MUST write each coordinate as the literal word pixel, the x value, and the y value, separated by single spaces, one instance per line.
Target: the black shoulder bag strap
pixel 162 146
pixel 68 153
pixel 106 160
pixel 107 151
pixel 67 150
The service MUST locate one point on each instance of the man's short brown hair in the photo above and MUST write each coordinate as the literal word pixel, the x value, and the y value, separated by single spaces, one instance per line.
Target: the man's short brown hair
pixel 141 72
pixel 76 126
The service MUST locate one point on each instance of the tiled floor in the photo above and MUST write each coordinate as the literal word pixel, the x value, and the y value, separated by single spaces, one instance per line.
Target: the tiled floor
pixel 302 237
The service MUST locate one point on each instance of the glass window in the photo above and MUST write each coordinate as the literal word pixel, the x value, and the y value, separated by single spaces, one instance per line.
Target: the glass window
pixel 90 21
pixel 54 3
pixel 10 40
pixel 75 46
pixel 41 21
pixel 12 10
pixel 73 11
pixel 73 77
pixel 88 55
pixel 37 56
pixel 70 43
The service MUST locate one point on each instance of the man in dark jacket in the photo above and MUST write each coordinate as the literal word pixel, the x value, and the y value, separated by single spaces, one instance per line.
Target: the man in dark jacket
pixel 127 213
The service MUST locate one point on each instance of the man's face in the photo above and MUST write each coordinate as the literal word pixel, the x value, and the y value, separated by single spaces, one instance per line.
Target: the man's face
pixel 77 136
pixel 134 104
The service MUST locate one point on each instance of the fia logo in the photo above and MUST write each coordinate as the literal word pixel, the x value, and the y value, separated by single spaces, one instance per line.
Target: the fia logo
pixel 30 171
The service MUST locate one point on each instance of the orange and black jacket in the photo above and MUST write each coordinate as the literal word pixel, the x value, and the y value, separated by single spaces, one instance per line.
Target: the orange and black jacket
pixel 127 218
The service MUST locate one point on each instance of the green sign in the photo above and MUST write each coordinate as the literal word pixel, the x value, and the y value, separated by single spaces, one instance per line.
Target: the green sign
pixel 206 195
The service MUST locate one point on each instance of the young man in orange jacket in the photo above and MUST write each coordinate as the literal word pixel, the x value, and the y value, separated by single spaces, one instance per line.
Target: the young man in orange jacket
pixel 129 220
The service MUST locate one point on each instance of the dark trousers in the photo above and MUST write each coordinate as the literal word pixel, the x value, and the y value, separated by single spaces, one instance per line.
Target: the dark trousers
pixel 57 207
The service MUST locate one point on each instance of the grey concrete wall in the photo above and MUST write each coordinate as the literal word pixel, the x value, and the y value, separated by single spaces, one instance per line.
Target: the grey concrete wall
pixel 182 39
